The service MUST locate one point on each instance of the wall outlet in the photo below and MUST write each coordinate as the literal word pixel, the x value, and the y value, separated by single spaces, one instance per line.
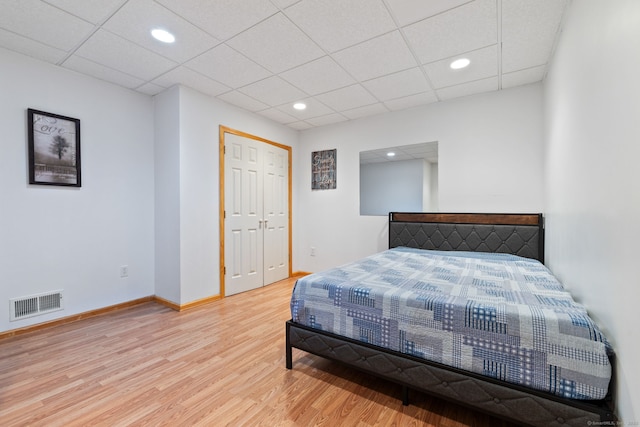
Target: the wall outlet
pixel 312 252
pixel 124 271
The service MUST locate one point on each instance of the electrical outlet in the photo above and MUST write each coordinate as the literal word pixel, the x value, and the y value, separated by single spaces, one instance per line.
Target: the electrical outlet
pixel 313 251
pixel 124 271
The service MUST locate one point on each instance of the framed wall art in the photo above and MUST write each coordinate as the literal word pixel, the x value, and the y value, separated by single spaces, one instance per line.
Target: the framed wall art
pixel 54 149
pixel 323 170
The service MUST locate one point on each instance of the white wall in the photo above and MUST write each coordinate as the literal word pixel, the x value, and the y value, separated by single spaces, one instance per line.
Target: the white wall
pixel 147 202
pixel 75 239
pixel 434 197
pixel 167 195
pixel 427 187
pixel 490 159
pixel 592 110
pixel 393 186
pixel 195 267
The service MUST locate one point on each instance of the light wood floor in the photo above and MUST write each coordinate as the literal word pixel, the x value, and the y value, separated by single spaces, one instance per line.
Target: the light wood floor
pixel 214 365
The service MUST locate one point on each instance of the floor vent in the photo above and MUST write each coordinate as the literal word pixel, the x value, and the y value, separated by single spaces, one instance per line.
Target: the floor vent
pixel 35 305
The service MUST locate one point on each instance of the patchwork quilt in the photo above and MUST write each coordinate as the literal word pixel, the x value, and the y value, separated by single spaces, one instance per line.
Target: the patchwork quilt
pixel 498 315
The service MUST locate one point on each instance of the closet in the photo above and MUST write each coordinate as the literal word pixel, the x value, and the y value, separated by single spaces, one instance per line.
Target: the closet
pixel 256 214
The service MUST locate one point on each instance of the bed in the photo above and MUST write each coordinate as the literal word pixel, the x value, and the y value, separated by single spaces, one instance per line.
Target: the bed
pixel 461 307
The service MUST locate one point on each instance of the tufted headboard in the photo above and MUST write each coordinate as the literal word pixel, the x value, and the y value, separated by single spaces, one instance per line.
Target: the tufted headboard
pixel 518 234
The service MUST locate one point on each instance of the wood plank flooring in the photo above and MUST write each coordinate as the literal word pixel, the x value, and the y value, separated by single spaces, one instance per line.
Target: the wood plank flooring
pixel 215 365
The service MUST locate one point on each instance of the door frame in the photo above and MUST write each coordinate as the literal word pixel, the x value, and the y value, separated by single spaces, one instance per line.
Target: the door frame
pixel 222 131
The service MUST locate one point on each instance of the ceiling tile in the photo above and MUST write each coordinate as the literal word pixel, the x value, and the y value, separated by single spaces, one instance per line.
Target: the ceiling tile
pixel 425 150
pixel 284 3
pixel 529 31
pixel 370 155
pixel 150 89
pixel 33 18
pixel 300 125
pixel 273 91
pixel 346 59
pixel 465 89
pixel 193 79
pixel 115 52
pixel 411 101
pixel 459 30
pixel 380 156
pixel 222 18
pixel 86 66
pixel 278 116
pixel 367 110
pixel 409 11
pixel 321 75
pixel 347 98
pixel 484 63
pixel 288 47
pixel 400 156
pixel 228 66
pixel 336 24
pixel 94 11
pixel 30 47
pixel 523 77
pixel 314 109
pixel 420 150
pixel 135 20
pixel 376 159
pixel 243 101
pixel 403 83
pixel 382 55
pixel 327 120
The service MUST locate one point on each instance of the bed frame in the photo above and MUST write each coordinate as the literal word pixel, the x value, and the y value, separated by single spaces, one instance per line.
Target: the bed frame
pixel 519 234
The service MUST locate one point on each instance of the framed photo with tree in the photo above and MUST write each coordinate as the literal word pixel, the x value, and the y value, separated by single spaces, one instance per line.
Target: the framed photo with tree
pixel 54 149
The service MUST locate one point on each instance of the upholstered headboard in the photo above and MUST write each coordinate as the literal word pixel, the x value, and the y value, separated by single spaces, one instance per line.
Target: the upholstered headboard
pixel 518 234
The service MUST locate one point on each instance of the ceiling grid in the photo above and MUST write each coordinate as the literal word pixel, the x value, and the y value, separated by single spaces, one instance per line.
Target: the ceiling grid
pixel 345 60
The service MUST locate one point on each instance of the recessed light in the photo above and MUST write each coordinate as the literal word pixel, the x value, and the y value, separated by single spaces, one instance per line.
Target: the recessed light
pixel 163 35
pixel 391 154
pixel 299 105
pixel 460 63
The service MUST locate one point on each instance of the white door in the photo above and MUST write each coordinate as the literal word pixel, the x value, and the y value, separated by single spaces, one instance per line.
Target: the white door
pixel 243 210
pixel 276 214
pixel 256 250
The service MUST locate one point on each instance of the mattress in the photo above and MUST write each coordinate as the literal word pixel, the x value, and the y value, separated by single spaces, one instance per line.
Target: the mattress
pixel 497 315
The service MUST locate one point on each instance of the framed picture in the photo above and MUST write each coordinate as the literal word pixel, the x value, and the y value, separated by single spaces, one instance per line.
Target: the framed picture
pixel 323 170
pixel 54 149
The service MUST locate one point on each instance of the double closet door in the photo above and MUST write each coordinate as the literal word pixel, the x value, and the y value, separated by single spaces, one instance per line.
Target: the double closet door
pixel 256 213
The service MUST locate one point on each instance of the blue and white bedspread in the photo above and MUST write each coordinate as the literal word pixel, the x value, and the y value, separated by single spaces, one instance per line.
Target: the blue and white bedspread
pixel 498 315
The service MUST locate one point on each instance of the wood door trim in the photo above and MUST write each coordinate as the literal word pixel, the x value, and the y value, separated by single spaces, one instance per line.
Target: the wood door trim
pixel 222 131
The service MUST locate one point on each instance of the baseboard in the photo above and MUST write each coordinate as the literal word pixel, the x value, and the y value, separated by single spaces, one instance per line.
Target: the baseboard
pixel 75 317
pixel 300 273
pixel 92 313
pixel 192 304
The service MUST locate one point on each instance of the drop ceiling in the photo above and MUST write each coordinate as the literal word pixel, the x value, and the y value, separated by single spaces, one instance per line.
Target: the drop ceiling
pixel 345 59
pixel 427 151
